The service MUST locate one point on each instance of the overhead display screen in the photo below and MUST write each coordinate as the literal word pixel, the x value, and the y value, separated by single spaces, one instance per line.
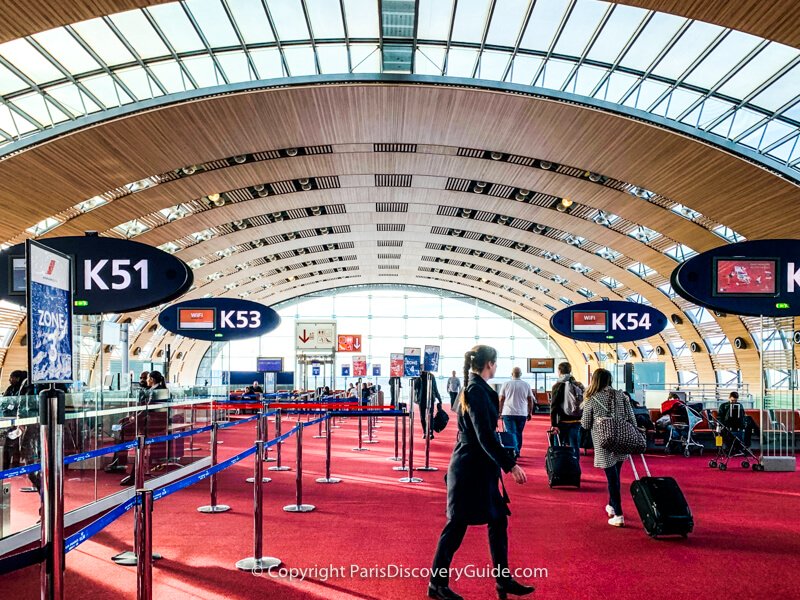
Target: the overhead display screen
pixel 541 365
pixel 589 321
pixel 196 318
pixel 745 277
pixel 269 365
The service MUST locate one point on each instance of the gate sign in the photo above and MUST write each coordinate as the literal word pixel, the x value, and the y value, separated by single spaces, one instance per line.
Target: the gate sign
pixel 348 343
pixel 49 314
pixel 395 365
pixel 219 319
pixel 431 361
pixel 411 362
pixel 111 275
pixel 759 277
pixel 345 370
pixel 315 370
pixel 608 321
pixel 376 370
pixel 359 366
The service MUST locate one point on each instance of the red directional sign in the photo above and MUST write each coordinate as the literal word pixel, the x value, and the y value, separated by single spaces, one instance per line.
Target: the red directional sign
pixel 349 343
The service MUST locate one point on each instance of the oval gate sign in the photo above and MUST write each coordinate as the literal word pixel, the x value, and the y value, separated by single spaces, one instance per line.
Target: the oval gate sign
pixel 111 275
pixel 759 277
pixel 219 319
pixel 608 321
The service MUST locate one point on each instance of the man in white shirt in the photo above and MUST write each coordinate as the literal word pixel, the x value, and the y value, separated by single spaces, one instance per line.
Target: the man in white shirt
pixel 453 387
pixel 516 405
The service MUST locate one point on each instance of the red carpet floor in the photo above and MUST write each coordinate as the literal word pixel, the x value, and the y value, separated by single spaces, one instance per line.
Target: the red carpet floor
pixel 744 544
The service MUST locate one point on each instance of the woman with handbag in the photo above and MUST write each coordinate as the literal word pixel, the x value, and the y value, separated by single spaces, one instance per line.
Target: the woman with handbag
pixel 609 416
pixel 473 480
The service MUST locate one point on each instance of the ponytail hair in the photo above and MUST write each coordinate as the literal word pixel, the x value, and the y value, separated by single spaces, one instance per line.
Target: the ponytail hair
pixel 475 360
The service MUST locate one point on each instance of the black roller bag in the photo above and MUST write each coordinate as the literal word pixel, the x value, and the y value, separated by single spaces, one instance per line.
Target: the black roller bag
pixel 661 504
pixel 561 463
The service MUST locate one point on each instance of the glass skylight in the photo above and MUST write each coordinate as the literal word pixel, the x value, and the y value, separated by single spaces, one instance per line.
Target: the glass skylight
pixel 725 82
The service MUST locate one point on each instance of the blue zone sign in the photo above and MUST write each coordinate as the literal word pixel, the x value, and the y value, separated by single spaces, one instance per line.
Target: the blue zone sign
pixel 608 322
pixel 760 277
pixel 219 319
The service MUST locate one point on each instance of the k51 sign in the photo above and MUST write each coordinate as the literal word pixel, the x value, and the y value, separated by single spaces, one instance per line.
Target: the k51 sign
pixel 219 319
pixel 760 277
pixel 608 321
pixel 111 275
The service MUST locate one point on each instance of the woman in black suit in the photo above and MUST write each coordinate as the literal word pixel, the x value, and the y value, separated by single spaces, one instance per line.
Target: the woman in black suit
pixel 473 479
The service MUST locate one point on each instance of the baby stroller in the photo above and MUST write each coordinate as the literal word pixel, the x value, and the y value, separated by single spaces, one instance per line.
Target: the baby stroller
pixel 730 445
pixel 683 419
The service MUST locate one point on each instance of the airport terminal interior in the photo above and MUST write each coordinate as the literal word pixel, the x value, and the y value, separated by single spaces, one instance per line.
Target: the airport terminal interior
pixel 252 252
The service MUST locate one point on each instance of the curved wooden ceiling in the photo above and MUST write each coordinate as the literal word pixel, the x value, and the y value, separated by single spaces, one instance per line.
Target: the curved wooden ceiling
pixel 438 121
pixel 777 20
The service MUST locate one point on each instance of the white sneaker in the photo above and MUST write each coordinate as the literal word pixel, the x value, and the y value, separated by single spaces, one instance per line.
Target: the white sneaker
pixel 617 521
pixel 610 511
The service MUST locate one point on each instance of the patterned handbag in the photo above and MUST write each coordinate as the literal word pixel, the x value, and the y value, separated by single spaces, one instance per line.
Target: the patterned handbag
pixel 619 435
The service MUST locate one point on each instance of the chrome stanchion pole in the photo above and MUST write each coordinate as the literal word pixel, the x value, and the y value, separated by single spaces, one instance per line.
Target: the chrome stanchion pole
pixel 370 429
pixel 267 457
pixel 396 395
pixel 128 558
pixel 410 478
pixel 321 435
pixel 144 547
pixel 192 447
pixel 402 466
pixel 51 432
pixel 278 466
pixel 328 478
pixel 298 506
pixel 258 563
pixel 214 507
pixel 261 434
pixel 360 447
pixel 429 423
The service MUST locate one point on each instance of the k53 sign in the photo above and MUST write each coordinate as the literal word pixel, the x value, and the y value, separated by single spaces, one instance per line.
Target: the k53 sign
pixel 219 319
pixel 608 321
pixel 111 275
pixel 760 277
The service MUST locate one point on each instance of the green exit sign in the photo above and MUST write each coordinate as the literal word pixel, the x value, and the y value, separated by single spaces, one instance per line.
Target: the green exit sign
pixel 81 303
pixel 217 335
pixel 782 305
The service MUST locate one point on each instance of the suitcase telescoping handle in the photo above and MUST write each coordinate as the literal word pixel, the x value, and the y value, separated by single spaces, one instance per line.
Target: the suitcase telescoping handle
pixel 554 431
pixel 633 464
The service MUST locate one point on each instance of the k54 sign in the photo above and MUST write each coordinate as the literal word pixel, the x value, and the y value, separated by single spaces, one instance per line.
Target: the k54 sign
pixel 219 319
pixel 111 275
pixel 608 321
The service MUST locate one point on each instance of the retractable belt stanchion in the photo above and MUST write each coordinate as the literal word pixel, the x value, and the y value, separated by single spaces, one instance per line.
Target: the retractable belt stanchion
pixel 278 466
pixel 298 506
pixel 144 546
pixel 257 563
pixel 261 434
pixel 192 447
pixel 370 428
pixel 410 478
pixel 130 559
pixel 51 438
pixel 328 478
pixel 320 434
pixel 267 457
pixel 360 447
pixel 402 466
pixel 396 396
pixel 428 423
pixel 214 507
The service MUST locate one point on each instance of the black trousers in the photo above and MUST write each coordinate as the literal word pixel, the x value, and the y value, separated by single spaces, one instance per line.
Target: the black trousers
pixel 423 415
pixel 450 540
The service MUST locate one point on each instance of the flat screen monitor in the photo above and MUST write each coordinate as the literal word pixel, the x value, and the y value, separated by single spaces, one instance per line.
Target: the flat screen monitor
pixel 745 277
pixel 17 275
pixel 541 365
pixel 269 365
pixel 590 320
pixel 197 318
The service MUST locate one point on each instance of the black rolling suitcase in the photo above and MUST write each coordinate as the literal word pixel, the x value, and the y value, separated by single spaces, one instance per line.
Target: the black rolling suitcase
pixel 661 504
pixel 561 463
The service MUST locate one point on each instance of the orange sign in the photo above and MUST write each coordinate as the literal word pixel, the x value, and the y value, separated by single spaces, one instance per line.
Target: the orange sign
pixel 348 343
pixel 196 318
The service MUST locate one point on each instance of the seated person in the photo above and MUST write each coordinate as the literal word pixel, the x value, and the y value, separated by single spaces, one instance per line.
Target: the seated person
pixel 257 389
pixel 731 414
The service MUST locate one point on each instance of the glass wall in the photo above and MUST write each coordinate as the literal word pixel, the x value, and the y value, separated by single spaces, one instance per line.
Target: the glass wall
pixel 390 320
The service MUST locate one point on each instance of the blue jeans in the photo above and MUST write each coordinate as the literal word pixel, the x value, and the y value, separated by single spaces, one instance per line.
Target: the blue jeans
pixel 570 434
pixel 515 425
pixel 614 493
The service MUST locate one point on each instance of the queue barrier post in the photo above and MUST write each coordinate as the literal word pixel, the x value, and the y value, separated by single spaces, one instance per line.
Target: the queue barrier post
pixel 267 457
pixel 261 434
pixel 370 429
pixel 321 435
pixel 428 423
pixel 257 562
pixel 131 558
pixel 213 507
pixel 402 466
pixel 51 438
pixel 410 477
pixel 144 546
pixel 360 447
pixel 278 466
pixel 298 506
pixel 328 478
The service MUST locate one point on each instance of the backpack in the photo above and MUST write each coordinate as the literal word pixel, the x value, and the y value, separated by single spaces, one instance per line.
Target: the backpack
pixel 573 401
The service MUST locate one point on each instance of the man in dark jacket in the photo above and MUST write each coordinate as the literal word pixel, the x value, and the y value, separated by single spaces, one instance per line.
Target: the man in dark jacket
pixel 419 389
pixel 561 397
pixel 731 414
